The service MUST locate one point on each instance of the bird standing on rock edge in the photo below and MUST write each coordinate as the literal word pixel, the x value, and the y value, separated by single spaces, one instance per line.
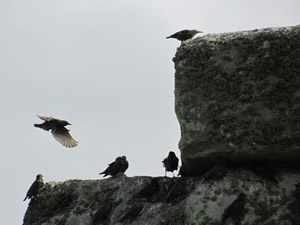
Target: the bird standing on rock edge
pixel 184 35
pixel 35 188
pixel 58 130
pixel 170 163
pixel 120 165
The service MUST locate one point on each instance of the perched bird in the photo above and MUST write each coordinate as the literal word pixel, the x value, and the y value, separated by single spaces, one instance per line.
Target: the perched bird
pixel 120 165
pixel 58 130
pixel 170 163
pixel 35 188
pixel 184 34
pixel 235 210
pixel 217 172
pixel 264 172
pixel 149 190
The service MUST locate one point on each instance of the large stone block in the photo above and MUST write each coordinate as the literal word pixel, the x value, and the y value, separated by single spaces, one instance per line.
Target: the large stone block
pixel 237 95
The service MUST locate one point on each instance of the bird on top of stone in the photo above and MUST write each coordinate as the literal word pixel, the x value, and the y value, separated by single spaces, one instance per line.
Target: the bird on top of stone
pixel 120 165
pixel 235 209
pixel 35 188
pixel 58 130
pixel 184 34
pixel 170 163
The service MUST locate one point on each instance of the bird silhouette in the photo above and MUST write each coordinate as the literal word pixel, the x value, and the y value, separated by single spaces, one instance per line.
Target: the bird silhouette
pixel 184 34
pixel 120 165
pixel 58 130
pixel 35 188
pixel 170 163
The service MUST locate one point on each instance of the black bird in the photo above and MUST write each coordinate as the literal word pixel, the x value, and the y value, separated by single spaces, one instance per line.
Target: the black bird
pixel 235 210
pixel 184 34
pixel 35 188
pixel 120 165
pixel 217 172
pixel 149 190
pixel 58 130
pixel 264 172
pixel 170 163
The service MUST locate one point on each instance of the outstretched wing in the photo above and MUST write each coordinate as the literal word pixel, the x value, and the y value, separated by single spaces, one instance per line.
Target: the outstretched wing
pixel 46 118
pixel 63 136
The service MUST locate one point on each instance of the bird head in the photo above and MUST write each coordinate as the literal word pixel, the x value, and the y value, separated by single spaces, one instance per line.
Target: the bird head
pixel 171 153
pixel 65 123
pixel 39 176
pixel 194 32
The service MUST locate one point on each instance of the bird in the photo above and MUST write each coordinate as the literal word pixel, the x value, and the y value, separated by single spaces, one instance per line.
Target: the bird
pixel 35 188
pixel 170 163
pixel 120 165
pixel 235 209
pixel 58 130
pixel 184 34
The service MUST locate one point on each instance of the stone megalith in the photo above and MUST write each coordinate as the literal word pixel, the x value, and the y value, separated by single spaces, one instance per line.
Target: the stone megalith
pixel 237 95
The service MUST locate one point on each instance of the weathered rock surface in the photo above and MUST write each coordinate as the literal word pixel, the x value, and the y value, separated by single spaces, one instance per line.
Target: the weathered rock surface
pixel 237 95
pixel 178 201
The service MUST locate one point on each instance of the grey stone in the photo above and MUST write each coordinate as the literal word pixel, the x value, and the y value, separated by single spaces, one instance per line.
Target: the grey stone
pixel 237 95
pixel 113 201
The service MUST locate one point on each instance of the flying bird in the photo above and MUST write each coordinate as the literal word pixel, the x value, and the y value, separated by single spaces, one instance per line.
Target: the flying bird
pixel 58 130
pixel 170 163
pixel 35 188
pixel 120 165
pixel 184 34
pixel 235 209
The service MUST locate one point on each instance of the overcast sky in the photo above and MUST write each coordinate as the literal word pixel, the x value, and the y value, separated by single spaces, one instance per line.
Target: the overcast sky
pixel 106 67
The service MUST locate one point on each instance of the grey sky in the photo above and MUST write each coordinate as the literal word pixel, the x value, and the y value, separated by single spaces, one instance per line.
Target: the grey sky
pixel 106 67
